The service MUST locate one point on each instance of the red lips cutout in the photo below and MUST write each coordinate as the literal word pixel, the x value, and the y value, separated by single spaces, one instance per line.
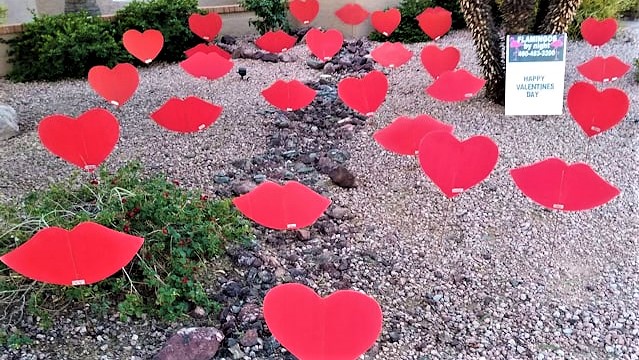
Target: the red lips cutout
pixel 341 326
pixel 387 21
pixel 435 22
pixel 207 49
pixel 85 255
pixel 326 44
pixel 115 85
pixel 391 54
pixel 436 61
pixel 352 14
pixel 304 11
pixel 555 185
pixel 597 32
pixel 291 206
pixel 364 95
pixel 189 115
pixel 453 165
pixel 85 142
pixel 603 69
pixel 458 85
pixel 276 41
pixel 210 66
pixel 289 96
pixel 144 46
pixel 596 111
pixel 206 26
pixel 404 134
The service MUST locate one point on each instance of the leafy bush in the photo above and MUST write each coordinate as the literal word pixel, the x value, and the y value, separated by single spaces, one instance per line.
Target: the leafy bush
pixel 62 46
pixel 599 9
pixel 171 17
pixel 182 231
pixel 271 15
pixel 408 30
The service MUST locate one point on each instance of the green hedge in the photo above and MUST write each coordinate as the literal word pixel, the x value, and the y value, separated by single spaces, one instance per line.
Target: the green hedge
pixel 600 9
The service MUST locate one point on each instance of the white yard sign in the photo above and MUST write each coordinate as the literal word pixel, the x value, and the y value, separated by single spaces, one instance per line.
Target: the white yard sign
pixel 535 70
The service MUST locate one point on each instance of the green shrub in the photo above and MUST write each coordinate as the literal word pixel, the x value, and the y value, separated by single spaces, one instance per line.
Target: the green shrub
pixel 271 15
pixel 62 46
pixel 171 17
pixel 182 231
pixel 408 30
pixel 600 9
pixel 3 14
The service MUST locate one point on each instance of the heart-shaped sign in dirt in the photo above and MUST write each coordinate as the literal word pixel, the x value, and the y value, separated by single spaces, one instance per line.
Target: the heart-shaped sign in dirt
pixel 387 21
pixel 144 46
pixel 115 85
pixel 364 95
pixel 596 111
pixel 304 11
pixel 437 61
pixel 598 32
pixel 324 44
pixel 206 26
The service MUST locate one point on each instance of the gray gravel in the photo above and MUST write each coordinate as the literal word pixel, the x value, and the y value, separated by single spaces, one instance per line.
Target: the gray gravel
pixel 488 275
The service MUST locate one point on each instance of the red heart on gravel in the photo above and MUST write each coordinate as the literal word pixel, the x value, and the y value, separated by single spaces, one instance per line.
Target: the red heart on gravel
pixel 453 165
pixel 341 326
pixel 85 142
pixel 276 41
pixel 603 69
pixel 189 115
pixel 455 85
pixel 435 21
pixel 387 21
pixel 85 255
pixel 289 96
pixel 392 55
pixel 352 14
pixel 436 61
pixel 206 26
pixel 288 207
pixel 145 46
pixel 555 185
pixel 598 32
pixel 326 44
pixel 364 95
pixel 596 111
pixel 116 85
pixel 404 134
pixel 207 49
pixel 304 11
pixel 210 66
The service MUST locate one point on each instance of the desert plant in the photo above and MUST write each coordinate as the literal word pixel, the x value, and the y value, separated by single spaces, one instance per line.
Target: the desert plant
pixel 599 9
pixel 408 30
pixel 271 15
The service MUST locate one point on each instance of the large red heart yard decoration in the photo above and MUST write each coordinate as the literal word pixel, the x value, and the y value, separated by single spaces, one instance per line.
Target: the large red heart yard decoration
pixel 275 41
pixel 189 115
pixel 365 95
pixel 304 11
pixel 435 22
pixel 341 326
pixel 392 55
pixel 326 44
pixel 116 85
pixel 289 96
pixel 596 111
pixel 598 32
pixel 145 46
pixel 437 61
pixel 602 69
pixel 206 26
pixel 454 165
pixel 404 134
pixel 387 21
pixel 85 142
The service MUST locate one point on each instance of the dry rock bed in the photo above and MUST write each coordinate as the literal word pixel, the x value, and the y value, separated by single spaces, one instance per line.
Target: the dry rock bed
pixel 486 275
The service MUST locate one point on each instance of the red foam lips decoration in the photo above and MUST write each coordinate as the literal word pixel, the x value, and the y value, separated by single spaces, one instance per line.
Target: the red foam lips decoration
pixel 144 46
pixel 435 21
pixel 207 49
pixel 391 54
pixel 289 96
pixel 326 44
pixel 598 32
pixel 206 26
pixel 210 66
pixel 437 61
pixel 291 206
pixel 352 14
pixel 365 95
pixel 602 69
pixel 276 41
pixel 115 85
pixel 85 142
pixel 189 115
pixel 341 326
pixel 386 21
pixel 404 134
pixel 556 185
pixel 304 11
pixel 458 85
pixel 596 111
pixel 85 255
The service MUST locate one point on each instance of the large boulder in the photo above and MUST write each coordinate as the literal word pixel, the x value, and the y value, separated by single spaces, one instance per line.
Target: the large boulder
pixel 8 122
pixel 195 343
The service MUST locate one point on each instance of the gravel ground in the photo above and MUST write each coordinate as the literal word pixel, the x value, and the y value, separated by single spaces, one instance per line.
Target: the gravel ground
pixel 487 275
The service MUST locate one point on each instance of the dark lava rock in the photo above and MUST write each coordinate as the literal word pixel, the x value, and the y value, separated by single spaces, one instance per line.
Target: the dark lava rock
pixel 342 177
pixel 192 344
pixel 249 313
pixel 270 57
pixel 315 64
pixel 249 338
pixel 228 40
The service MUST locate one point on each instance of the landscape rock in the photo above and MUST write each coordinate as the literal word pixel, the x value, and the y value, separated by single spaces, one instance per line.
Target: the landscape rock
pixel 342 177
pixel 249 338
pixel 228 39
pixel 192 344
pixel 315 64
pixel 270 57
pixel 8 122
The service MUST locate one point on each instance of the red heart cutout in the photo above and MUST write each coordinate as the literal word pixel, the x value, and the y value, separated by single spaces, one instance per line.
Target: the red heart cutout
pixel 437 61
pixel 435 21
pixel 341 326
pixel 276 41
pixel 603 69
pixel 387 21
pixel 304 11
pixel 455 85
pixel 326 44
pixel 189 115
pixel 207 49
pixel 364 95
pixel 404 134
pixel 596 111
pixel 391 54
pixel 85 142
pixel 555 185
pixel 206 26
pixel 85 255
pixel 352 14
pixel 116 85
pixel 145 46
pixel 292 206
pixel 289 96
pixel 456 166
pixel 597 32
pixel 210 66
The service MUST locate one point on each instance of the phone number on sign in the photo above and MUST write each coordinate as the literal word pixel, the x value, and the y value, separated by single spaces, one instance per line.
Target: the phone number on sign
pixel 526 53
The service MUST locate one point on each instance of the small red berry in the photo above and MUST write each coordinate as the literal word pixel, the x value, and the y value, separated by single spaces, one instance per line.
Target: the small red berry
pixel 126 228
pixel 165 231
pixel 94 182
pixel 176 182
pixel 185 280
pixel 204 197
